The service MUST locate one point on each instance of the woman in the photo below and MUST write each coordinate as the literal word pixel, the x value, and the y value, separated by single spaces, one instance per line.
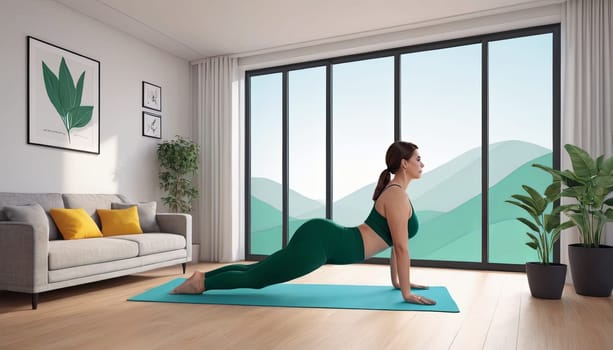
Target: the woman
pixel 319 241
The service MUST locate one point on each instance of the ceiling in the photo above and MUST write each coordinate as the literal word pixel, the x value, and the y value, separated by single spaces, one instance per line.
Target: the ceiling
pixel 195 29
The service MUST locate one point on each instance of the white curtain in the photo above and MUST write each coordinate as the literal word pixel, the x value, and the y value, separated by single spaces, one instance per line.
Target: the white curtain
pixel 216 103
pixel 587 82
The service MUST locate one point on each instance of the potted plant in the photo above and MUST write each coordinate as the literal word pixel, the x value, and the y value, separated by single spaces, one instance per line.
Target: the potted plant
pixel 545 279
pixel 178 163
pixel 589 183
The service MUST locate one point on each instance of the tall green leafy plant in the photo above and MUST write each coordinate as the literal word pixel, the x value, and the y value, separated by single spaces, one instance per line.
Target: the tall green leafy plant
pixel 590 184
pixel 66 97
pixel 178 163
pixel 544 224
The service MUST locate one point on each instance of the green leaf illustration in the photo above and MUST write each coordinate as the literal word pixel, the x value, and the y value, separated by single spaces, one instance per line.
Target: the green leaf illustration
pixel 79 92
pixel 80 116
pixel 67 88
pixel 66 98
pixel 51 85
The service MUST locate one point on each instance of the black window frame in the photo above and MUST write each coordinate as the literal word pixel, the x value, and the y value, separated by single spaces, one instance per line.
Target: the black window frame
pixel 484 39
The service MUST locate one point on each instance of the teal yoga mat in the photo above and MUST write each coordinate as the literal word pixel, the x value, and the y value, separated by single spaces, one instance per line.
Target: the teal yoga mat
pixel 334 296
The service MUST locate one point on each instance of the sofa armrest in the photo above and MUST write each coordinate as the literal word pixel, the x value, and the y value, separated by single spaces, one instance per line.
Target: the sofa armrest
pixel 23 257
pixel 178 224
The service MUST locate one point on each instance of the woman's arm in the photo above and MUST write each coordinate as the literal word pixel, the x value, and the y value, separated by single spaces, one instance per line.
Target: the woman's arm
pixel 394 270
pixel 394 274
pixel 397 212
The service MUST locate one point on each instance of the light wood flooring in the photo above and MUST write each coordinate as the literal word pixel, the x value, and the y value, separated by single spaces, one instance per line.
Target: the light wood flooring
pixel 496 312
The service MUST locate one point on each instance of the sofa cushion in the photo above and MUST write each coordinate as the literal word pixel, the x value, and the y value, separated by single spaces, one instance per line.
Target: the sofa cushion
pixel 65 254
pixel 91 202
pixel 119 221
pixel 45 200
pixel 152 243
pixel 75 223
pixel 146 214
pixel 33 214
pixel 96 272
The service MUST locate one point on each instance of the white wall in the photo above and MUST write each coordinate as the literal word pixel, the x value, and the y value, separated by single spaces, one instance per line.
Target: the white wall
pixel 127 162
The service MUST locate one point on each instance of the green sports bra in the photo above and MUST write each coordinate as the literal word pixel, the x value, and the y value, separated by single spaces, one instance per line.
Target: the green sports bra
pixel 379 224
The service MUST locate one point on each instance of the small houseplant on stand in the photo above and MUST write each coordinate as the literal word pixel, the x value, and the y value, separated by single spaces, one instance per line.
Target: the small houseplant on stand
pixel 589 183
pixel 178 163
pixel 546 279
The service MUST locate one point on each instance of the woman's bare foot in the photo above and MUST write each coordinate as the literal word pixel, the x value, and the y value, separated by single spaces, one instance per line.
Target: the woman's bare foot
pixel 193 285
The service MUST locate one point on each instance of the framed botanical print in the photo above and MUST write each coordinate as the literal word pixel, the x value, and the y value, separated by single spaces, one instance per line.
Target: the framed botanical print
pixel 63 98
pixel 152 125
pixel 152 96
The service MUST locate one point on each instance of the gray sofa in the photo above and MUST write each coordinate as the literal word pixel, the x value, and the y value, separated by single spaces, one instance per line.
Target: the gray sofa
pixel 34 257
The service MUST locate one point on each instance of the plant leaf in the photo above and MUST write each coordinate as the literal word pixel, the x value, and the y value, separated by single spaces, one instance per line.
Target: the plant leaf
pixel 550 222
pixel 52 87
pixel 80 116
pixel 607 166
pixel 528 209
pixel 79 91
pixel 554 173
pixel 599 166
pixel 552 192
pixel 583 164
pixel 534 239
pixel 540 203
pixel 574 192
pixel 562 209
pixel 529 223
pixel 558 230
pixel 571 179
pixel 526 200
pixel 67 91
pixel 603 181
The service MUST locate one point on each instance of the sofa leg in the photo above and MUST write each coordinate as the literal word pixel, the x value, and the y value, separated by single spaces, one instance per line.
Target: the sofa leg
pixel 34 301
pixel 184 265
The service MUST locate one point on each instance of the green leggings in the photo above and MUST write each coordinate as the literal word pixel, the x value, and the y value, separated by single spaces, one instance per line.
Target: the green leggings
pixel 315 243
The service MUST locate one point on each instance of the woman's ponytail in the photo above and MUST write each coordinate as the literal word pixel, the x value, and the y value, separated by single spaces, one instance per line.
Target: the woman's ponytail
pixel 384 179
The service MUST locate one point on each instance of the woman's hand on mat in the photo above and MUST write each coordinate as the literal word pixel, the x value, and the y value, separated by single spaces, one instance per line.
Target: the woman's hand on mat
pixel 418 286
pixel 417 299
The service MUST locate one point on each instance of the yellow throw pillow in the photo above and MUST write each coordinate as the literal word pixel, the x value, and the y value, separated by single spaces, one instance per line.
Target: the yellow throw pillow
pixel 119 221
pixel 75 223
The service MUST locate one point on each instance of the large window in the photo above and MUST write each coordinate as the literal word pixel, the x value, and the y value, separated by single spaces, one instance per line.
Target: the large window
pixel 266 200
pixel 481 110
pixel 441 112
pixel 362 128
pixel 307 145
pixel 520 114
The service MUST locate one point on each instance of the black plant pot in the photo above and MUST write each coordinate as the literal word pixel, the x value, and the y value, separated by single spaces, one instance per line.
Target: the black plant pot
pixel 546 281
pixel 592 269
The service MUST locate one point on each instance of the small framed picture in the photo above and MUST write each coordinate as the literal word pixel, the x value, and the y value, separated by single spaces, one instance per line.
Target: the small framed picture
pixel 152 96
pixel 152 125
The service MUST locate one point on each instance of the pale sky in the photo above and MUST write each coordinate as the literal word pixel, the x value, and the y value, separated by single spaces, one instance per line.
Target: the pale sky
pixel 440 108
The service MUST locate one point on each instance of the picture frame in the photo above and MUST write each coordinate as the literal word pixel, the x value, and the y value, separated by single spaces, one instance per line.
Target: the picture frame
pixel 152 125
pixel 152 96
pixel 63 98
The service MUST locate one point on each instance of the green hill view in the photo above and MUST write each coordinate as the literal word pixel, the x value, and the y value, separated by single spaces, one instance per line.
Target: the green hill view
pixel 447 201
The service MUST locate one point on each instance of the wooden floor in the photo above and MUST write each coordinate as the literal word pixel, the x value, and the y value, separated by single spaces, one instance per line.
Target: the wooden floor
pixel 496 312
